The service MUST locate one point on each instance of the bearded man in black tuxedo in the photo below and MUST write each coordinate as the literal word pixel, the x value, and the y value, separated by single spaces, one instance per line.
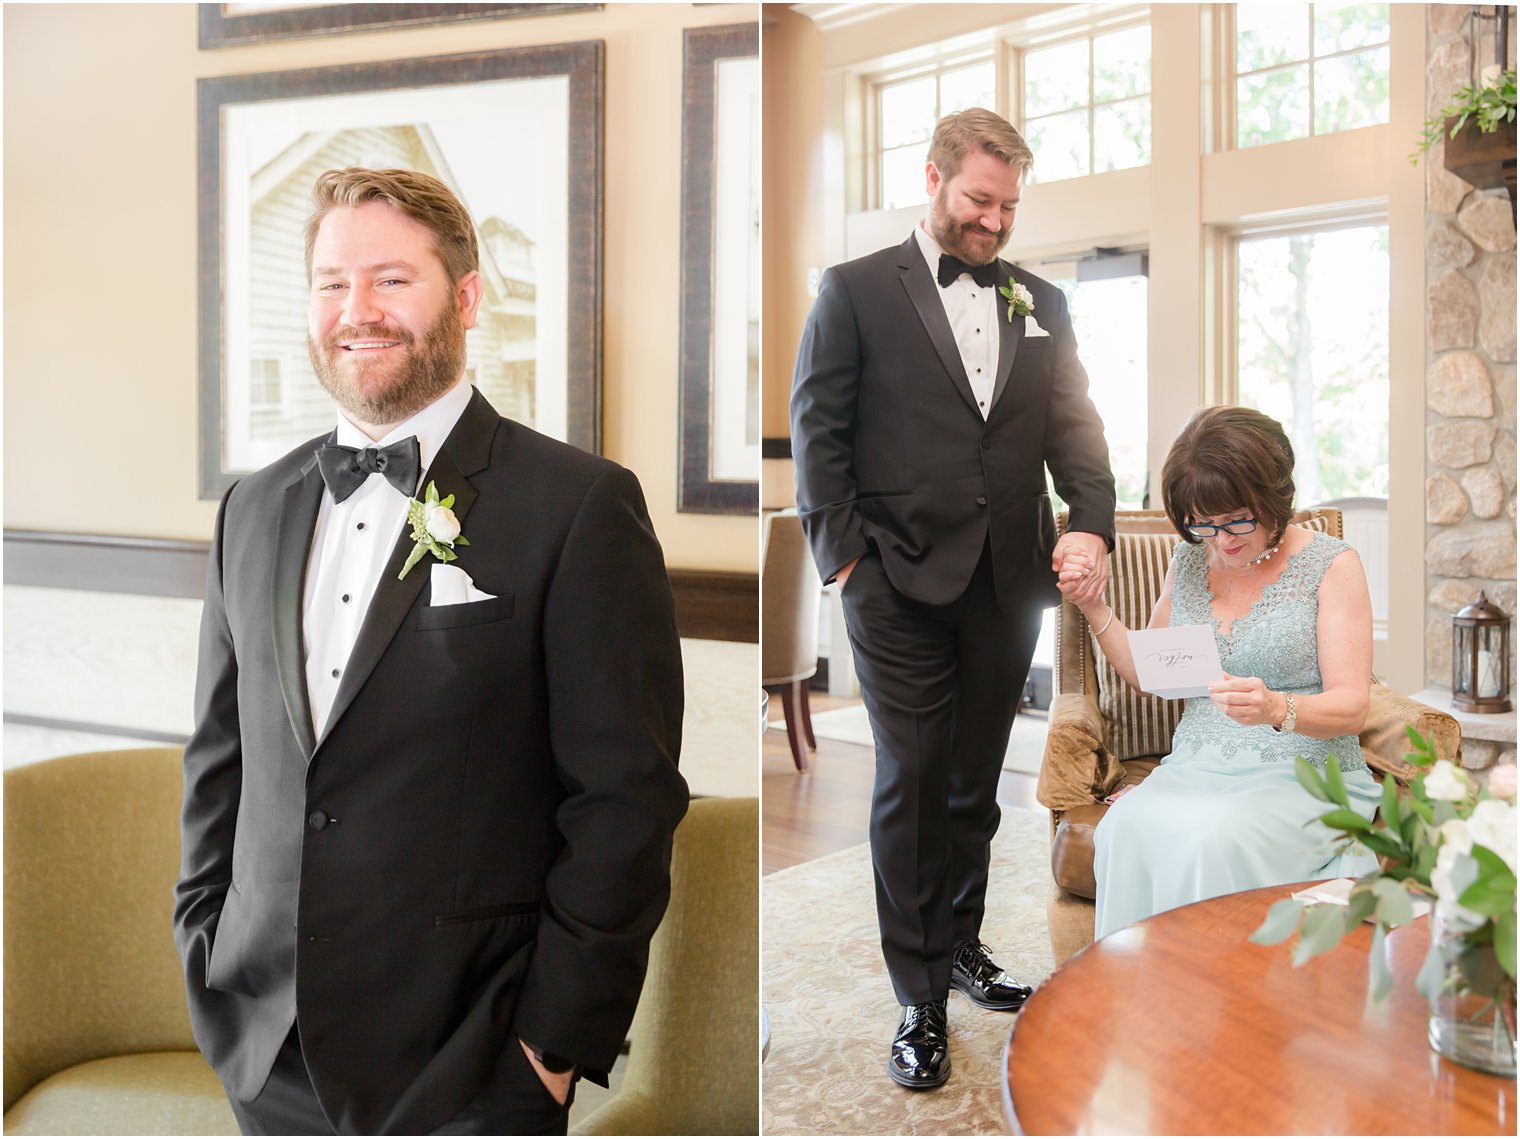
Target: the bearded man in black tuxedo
pixel 432 785
pixel 934 385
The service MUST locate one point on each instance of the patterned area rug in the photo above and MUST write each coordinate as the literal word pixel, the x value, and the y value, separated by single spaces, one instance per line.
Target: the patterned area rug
pixel 1026 744
pixel 831 1006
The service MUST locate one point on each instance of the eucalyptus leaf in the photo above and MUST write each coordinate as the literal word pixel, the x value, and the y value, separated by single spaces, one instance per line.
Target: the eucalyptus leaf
pixel 1504 941
pixel 1345 819
pixel 1281 921
pixel 1334 784
pixel 1389 810
pixel 1379 843
pixel 1379 976
pixel 1418 804
pixel 1409 826
pixel 1481 970
pixel 1360 907
pixel 1424 863
pixel 1424 754
pixel 1321 932
pixel 461 541
pixel 1431 978
pixel 1492 868
pixel 1486 897
pixel 1309 776
pixel 1393 905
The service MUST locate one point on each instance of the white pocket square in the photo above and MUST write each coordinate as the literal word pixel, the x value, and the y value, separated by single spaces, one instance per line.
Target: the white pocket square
pixel 452 586
pixel 1032 328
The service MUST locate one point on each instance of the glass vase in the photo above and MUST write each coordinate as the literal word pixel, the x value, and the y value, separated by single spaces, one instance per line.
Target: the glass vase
pixel 1472 1021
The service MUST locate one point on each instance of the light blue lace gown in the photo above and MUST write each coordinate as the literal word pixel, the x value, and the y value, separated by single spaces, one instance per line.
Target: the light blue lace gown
pixel 1225 812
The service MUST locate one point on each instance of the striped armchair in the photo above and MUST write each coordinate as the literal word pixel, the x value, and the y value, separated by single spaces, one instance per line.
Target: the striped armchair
pixel 1103 734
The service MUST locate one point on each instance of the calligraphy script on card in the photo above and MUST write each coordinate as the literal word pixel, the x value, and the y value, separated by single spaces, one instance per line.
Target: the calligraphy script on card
pixel 1176 663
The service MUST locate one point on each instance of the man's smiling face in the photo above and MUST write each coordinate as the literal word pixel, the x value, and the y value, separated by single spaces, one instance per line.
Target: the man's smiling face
pixel 971 214
pixel 385 326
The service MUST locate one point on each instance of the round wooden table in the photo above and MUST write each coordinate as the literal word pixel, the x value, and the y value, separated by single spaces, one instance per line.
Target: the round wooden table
pixel 1179 1025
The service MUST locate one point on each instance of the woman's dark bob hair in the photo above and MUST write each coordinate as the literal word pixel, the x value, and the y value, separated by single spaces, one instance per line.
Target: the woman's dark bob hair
pixel 1229 458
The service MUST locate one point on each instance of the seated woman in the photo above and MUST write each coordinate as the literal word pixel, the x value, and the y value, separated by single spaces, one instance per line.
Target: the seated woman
pixel 1291 614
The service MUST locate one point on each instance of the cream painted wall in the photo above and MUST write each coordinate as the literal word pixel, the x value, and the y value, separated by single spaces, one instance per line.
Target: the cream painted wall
pixel 792 181
pixel 100 253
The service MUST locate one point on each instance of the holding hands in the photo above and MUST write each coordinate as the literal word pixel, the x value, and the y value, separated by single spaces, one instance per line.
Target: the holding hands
pixel 1246 700
pixel 1080 561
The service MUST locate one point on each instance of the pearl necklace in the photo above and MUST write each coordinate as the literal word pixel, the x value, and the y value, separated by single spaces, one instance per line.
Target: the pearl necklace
pixel 1264 557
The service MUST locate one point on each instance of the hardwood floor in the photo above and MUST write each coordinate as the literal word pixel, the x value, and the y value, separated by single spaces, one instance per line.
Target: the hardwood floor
pixel 808 814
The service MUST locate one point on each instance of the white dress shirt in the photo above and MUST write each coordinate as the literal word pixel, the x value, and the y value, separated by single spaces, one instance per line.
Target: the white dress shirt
pixel 351 543
pixel 973 312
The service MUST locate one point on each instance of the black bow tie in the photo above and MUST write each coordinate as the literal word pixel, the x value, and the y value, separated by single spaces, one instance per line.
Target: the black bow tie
pixel 344 469
pixel 952 267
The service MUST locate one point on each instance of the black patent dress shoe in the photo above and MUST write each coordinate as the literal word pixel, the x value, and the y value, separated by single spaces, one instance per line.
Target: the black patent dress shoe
pixel 974 973
pixel 921 1048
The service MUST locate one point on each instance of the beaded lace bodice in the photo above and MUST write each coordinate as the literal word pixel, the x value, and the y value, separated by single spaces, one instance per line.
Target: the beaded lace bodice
pixel 1276 640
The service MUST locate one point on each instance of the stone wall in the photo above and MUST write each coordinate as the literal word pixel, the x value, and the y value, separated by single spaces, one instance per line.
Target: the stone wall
pixel 1469 380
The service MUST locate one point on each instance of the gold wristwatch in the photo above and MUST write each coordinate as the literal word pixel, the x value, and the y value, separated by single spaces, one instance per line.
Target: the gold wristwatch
pixel 1290 721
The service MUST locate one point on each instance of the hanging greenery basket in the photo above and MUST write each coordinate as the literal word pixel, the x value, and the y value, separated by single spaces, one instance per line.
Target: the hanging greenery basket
pixel 1485 161
pixel 1478 125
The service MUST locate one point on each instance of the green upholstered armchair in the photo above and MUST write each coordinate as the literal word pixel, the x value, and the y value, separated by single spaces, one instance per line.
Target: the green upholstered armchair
pixel 97 1037
pixel 694 1063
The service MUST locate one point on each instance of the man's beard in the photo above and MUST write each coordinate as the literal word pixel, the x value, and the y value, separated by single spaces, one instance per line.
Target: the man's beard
pixel 957 240
pixel 424 373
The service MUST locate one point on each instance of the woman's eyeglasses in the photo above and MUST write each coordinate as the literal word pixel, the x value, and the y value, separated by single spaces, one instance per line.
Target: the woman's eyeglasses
pixel 1208 529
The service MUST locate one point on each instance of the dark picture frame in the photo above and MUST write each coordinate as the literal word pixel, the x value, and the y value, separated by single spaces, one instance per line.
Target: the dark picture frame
pixel 573 70
pixel 700 490
pixel 220 28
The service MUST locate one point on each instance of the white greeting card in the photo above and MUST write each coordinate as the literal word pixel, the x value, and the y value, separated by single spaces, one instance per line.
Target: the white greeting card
pixel 1178 662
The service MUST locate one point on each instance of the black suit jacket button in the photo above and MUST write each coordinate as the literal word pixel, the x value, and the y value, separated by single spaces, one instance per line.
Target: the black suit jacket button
pixel 981 500
pixel 317 819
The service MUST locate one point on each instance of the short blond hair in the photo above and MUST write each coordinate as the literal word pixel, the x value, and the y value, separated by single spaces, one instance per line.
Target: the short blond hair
pixel 955 135
pixel 420 196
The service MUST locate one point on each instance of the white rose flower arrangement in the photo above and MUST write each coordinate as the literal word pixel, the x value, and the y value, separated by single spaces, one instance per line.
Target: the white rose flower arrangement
pixel 1451 842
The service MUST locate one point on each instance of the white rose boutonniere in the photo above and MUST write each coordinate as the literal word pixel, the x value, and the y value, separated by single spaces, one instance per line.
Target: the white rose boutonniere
pixel 1020 300
pixel 434 529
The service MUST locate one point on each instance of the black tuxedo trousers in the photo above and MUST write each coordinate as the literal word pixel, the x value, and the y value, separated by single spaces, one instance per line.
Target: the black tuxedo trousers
pixel 941 686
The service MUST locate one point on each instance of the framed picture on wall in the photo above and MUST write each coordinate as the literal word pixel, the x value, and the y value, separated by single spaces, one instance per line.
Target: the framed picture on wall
pixel 720 272
pixel 516 133
pixel 227 25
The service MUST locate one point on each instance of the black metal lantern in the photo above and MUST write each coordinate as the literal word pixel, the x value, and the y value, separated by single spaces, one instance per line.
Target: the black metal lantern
pixel 1480 658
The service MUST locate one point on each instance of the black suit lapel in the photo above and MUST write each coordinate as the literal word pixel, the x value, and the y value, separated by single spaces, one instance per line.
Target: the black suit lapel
pixel 466 451
pixel 1010 337
pixel 298 518
pixel 923 290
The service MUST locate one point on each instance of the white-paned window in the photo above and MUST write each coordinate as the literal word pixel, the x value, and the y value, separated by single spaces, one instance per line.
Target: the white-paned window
pixel 1308 69
pixel 906 110
pixel 1084 105
pixel 1312 352
pixel 264 388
